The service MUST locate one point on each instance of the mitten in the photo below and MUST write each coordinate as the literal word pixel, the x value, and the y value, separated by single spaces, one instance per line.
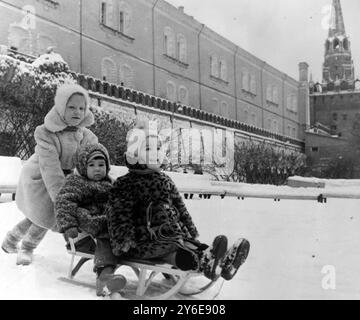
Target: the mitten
pixel 71 233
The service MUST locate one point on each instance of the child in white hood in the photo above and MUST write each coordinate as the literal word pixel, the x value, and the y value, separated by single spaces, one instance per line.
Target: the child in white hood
pixel 57 141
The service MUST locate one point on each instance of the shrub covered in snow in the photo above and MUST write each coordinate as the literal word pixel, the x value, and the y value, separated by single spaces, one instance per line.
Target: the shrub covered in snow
pixel 51 62
pixel 263 164
pixel 111 133
pixel 27 93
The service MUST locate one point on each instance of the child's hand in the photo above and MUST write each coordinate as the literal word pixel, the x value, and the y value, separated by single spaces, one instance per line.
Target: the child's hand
pixel 71 233
pixel 127 245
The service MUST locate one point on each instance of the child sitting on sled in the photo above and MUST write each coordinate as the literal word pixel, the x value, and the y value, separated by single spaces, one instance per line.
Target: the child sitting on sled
pixel 80 207
pixel 147 218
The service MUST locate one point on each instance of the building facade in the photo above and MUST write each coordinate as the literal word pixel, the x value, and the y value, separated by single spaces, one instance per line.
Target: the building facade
pixel 334 103
pixel 153 47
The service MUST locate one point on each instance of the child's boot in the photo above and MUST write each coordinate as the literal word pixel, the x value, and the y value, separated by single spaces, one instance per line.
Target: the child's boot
pixel 24 257
pixel 107 282
pixel 234 258
pixel 10 243
pixel 212 256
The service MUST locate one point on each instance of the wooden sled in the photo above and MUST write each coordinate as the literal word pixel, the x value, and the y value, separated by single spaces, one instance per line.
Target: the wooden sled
pixel 146 271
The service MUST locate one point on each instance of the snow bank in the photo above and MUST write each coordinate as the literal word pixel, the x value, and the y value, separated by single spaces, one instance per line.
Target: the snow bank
pixel 327 182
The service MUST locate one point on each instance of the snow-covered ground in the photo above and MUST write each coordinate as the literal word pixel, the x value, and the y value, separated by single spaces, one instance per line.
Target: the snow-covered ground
pixel 300 249
pixel 291 243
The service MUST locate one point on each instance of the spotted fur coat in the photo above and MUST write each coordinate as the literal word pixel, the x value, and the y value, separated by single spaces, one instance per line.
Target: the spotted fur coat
pixel 147 217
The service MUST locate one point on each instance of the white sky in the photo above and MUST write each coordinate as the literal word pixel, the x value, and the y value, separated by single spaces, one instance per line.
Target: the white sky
pixel 280 32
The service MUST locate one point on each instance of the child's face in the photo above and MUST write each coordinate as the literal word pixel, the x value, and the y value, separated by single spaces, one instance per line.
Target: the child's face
pixel 75 110
pixel 96 169
pixel 150 153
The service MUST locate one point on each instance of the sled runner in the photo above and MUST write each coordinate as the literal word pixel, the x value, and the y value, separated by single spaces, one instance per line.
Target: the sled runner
pixel 146 271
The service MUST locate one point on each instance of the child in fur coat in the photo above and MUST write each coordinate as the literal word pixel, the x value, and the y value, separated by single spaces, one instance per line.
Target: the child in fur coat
pixel 147 217
pixel 57 140
pixel 80 207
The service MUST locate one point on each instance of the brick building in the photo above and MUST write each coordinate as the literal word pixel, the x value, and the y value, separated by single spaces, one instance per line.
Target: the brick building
pixel 153 47
pixel 334 103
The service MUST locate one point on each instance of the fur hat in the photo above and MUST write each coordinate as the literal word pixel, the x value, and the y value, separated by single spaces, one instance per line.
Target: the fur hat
pixel 89 152
pixel 54 120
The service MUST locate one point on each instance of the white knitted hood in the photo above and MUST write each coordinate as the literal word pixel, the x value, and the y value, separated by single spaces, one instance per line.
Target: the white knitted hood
pixel 54 120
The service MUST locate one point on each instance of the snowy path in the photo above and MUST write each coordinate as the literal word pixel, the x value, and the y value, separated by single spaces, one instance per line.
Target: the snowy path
pixel 291 241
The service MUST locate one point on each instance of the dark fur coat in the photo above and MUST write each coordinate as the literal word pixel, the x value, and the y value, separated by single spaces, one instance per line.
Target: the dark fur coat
pixel 147 217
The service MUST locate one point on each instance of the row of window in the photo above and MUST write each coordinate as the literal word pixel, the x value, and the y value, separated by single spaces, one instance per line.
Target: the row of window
pixel 272 94
pixel 249 119
pixel 218 67
pixel 123 74
pixel 180 94
pixel 291 103
pixel 248 82
pixel 117 16
pixel 175 46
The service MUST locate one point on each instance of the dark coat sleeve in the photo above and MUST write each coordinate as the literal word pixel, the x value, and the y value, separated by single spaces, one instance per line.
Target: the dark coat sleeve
pixel 179 204
pixel 67 203
pixel 119 211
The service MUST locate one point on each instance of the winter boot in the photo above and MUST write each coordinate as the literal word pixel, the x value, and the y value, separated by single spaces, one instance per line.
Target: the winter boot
pixel 9 244
pixel 24 257
pixel 107 282
pixel 212 256
pixel 234 258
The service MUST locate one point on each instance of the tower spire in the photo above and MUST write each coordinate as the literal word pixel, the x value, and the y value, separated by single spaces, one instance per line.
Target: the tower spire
pixel 337 26
pixel 338 65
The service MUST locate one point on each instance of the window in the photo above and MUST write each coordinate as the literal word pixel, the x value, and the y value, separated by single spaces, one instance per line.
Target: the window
pixel 169 42
pixel 253 119
pixel 224 109
pixel 275 95
pixel 127 76
pixel 108 70
pixel 215 105
pixel 269 124
pixel 171 91
pixel 223 70
pixel 181 48
pixel 125 15
pixel 122 22
pixel 315 149
pixel 246 115
pixel 288 103
pixel 293 131
pixel 183 95
pixel 294 103
pixel 103 19
pixel 106 15
pixel 275 126
pixel 268 93
pixel 335 116
pixel 214 71
pixel 252 84
pixel 245 80
pixel 344 116
pixel 289 130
